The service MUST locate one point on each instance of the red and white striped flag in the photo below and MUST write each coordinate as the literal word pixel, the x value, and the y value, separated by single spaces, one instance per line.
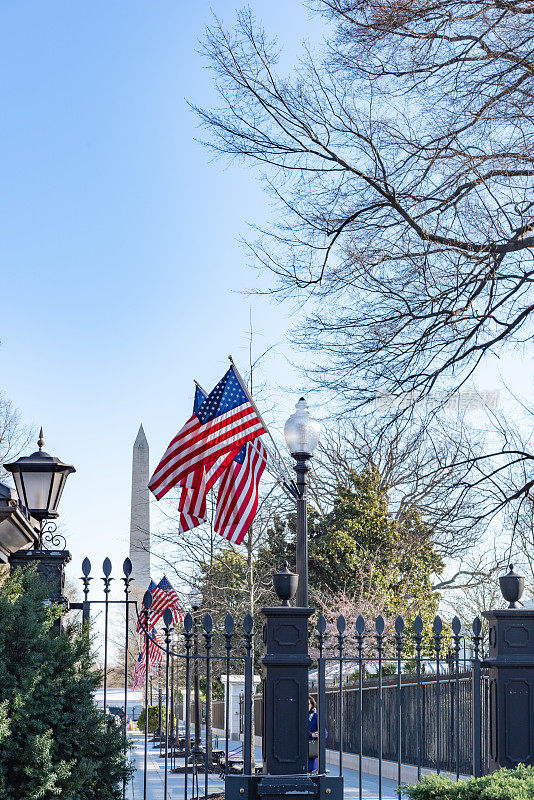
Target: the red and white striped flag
pixel 139 674
pixel 155 656
pixel 163 597
pixel 155 652
pixel 225 421
pixel 237 500
pixel 192 504
pixel 141 614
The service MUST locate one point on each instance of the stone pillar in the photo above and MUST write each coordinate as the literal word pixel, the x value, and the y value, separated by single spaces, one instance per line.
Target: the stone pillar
pixel 285 734
pixel 285 690
pixel 511 662
pixel 234 691
pixel 50 568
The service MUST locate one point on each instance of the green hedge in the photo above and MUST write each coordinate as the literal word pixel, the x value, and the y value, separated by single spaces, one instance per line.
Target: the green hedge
pixel 153 718
pixel 506 784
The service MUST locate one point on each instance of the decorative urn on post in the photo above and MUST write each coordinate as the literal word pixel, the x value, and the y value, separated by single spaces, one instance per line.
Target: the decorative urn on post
pixel 285 584
pixel 512 587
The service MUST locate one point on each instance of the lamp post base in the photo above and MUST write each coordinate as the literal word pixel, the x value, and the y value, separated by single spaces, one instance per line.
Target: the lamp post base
pixel 50 567
pixel 275 787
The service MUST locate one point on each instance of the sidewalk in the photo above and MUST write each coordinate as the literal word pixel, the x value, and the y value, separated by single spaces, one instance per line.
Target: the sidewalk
pixel 175 785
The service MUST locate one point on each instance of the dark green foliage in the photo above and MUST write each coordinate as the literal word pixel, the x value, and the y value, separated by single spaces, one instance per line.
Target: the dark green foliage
pixel 217 688
pixel 360 536
pixel 153 718
pixel 54 742
pixel 515 784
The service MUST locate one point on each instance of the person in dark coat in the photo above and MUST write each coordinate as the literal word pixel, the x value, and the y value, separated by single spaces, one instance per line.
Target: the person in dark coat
pixel 313 729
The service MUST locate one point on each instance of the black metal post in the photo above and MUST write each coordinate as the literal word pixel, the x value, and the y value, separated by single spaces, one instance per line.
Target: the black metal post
pixel 399 640
pixel 286 663
pixel 188 625
pixel 86 569
pixel 301 467
pixel 160 719
pixel 167 617
pixel 321 695
pixel 437 629
pixel 147 602
pixel 360 631
pixel 207 633
pixel 456 627
pixel 476 699
pixel 379 626
pixel 107 581
pixel 341 624
pixel 418 639
pixel 228 633
pixel 127 569
pixel 172 706
pixel 248 625
pixel 197 749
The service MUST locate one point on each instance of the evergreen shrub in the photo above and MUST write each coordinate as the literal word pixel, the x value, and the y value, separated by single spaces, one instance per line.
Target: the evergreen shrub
pixel 505 784
pixel 153 718
pixel 54 741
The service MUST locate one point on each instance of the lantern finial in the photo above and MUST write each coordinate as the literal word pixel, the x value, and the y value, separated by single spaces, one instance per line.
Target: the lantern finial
pixel 40 440
pixel 302 430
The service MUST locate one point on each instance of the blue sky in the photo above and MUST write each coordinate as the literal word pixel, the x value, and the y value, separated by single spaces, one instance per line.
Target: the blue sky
pixel 120 238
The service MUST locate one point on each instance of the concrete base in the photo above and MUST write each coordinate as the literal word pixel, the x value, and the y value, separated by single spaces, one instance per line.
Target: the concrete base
pixel 274 787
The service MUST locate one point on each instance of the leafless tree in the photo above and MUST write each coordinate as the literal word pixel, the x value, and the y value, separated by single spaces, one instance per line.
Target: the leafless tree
pixel 401 157
pixel 420 466
pixel 14 435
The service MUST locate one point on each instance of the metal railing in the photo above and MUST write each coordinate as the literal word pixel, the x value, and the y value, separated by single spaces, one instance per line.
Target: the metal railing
pixel 408 722
pixel 437 722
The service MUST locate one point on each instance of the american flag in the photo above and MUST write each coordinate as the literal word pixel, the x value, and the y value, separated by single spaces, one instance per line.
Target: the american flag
pixel 141 614
pixel 197 484
pixel 155 656
pixel 164 596
pixel 155 653
pixel 192 504
pixel 225 421
pixel 139 674
pixel 237 499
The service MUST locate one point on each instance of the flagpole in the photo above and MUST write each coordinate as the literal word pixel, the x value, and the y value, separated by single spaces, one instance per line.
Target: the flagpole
pixel 200 387
pixel 278 474
pixel 255 407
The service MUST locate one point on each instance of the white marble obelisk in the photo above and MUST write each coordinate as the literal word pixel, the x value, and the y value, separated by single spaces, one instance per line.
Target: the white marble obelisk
pixel 140 516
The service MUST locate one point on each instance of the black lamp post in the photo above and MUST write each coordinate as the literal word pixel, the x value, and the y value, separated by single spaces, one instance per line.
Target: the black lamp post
pixel 40 480
pixel 195 600
pixel 302 437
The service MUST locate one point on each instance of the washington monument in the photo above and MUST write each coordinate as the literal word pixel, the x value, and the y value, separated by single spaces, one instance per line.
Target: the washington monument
pixel 140 515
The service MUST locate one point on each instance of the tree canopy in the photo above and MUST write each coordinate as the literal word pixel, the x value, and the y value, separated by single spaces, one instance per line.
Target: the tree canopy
pixel 360 548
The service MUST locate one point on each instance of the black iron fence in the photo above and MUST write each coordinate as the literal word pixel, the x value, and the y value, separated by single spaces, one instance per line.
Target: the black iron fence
pixel 436 721
pixel 445 706
pixel 402 719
